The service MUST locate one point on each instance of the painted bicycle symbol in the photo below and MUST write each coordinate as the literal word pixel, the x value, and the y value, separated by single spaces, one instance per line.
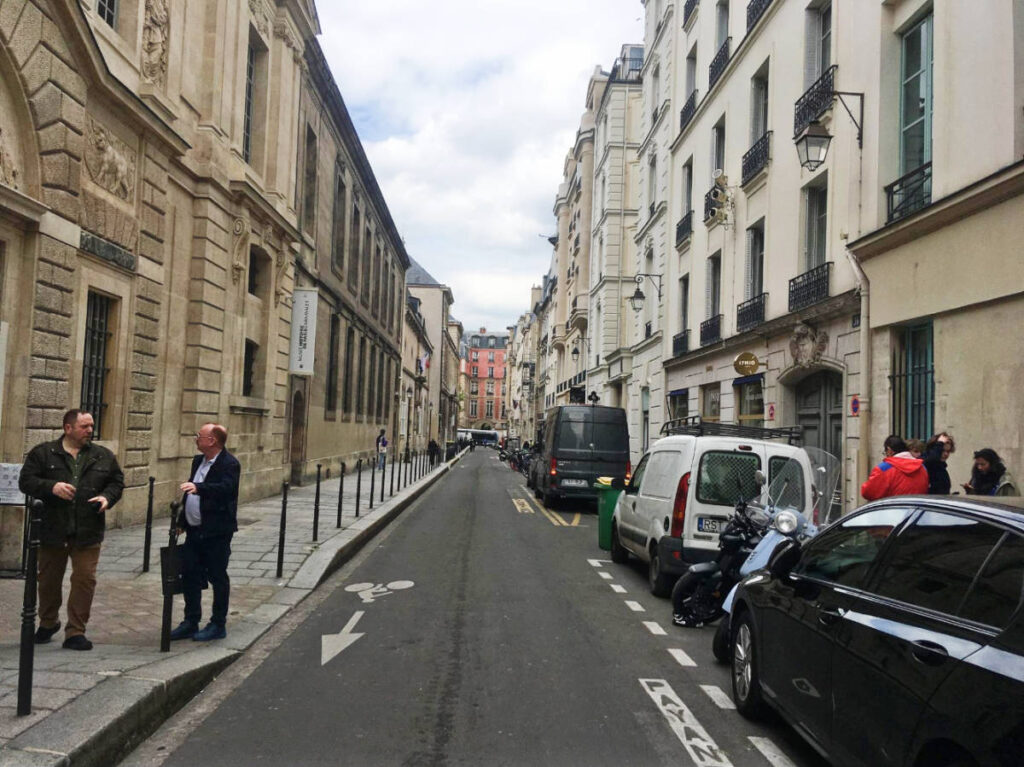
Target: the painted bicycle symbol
pixel 369 592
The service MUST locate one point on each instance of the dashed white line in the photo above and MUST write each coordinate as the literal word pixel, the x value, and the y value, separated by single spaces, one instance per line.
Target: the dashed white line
pixel 635 606
pixel 606 576
pixel 595 562
pixel 617 588
pixel 771 752
pixel 682 658
pixel 654 628
pixel 698 744
pixel 718 696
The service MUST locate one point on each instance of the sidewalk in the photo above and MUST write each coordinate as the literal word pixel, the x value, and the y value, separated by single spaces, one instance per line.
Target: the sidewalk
pixel 91 708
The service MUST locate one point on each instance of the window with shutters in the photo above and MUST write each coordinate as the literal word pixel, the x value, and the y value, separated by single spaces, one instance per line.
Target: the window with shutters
pixel 759 104
pixel 713 287
pixel 816 225
pixel 474 387
pixel 96 356
pixel 818 42
pixel 754 271
pixel 721 23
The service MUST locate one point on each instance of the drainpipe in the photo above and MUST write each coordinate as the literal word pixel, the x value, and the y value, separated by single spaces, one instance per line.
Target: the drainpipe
pixel 864 441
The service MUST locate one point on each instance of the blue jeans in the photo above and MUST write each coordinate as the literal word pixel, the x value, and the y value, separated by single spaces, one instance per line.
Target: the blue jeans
pixel 205 560
pixel 380 460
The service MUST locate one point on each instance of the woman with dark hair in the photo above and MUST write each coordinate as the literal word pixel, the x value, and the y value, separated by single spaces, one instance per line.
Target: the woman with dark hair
pixel 989 476
pixel 936 453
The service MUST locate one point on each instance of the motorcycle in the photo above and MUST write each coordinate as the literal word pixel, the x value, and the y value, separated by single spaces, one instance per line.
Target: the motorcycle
pixel 785 505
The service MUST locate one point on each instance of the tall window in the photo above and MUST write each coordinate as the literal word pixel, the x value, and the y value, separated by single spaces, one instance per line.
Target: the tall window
pixel 350 339
pixel 490 356
pixel 750 398
pixel 721 23
pixel 381 392
pixel 655 92
pixel 817 221
pixel 652 181
pixel 473 408
pixel 718 146
pixel 361 381
pixel 688 186
pixel 366 262
pixel 916 98
pixel 309 182
pixel 107 10
pixel 684 303
pixel 474 387
pixel 754 272
pixel 338 220
pixel 490 372
pixel 371 383
pixel 250 85
pixel 331 388
pixel 818 42
pixel 252 350
pixel 353 250
pixel 490 388
pixel 713 286
pixel 913 382
pixel 490 408
pixel 691 71
pixel 759 104
pixel 645 418
pixel 711 402
pixel 96 358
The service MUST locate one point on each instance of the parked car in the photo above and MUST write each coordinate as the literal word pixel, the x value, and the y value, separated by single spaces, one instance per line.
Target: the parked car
pixel 683 493
pixel 895 637
pixel 580 444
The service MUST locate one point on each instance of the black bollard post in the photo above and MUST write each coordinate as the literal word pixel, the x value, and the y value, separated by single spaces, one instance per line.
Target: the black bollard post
pixel 408 462
pixel 341 492
pixel 359 482
pixel 149 528
pixel 170 571
pixel 383 474
pixel 391 491
pixel 373 477
pixel 28 612
pixel 284 524
pixel 316 506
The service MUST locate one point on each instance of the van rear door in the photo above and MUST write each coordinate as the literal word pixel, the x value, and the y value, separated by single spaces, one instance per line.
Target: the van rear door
pixel 590 442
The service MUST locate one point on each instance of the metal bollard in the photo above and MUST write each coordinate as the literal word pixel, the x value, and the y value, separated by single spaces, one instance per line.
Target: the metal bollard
pixel 391 492
pixel 373 477
pixel 149 528
pixel 169 573
pixel 359 482
pixel 408 463
pixel 316 506
pixel 28 612
pixel 383 474
pixel 284 524
pixel 341 492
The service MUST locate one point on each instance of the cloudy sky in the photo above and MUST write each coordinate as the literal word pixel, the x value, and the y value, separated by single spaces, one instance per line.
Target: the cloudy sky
pixel 466 109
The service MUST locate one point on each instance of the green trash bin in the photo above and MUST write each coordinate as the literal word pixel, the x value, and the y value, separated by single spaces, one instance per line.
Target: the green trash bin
pixel 607 496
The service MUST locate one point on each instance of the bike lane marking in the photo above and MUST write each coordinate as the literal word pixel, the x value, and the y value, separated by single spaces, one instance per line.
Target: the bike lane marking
pixel 718 696
pixel 655 628
pixel 522 506
pixel 682 658
pixel 771 752
pixel 698 744
pixel 617 588
pixel 635 606
pixel 606 576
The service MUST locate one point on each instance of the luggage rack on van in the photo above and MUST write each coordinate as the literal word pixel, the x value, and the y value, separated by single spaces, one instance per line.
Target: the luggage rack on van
pixel 695 426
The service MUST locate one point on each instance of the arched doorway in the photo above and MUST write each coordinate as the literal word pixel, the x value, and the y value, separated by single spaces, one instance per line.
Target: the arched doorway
pixel 298 446
pixel 819 410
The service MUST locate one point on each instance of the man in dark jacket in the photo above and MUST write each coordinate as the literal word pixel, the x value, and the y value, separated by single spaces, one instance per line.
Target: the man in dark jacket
pixel 77 482
pixel 209 516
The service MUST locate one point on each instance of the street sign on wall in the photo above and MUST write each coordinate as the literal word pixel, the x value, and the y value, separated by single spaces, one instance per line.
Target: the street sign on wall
pixel 303 344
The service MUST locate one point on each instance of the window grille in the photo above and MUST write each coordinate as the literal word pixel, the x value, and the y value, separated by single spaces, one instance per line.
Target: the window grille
pixel 913 383
pixel 94 368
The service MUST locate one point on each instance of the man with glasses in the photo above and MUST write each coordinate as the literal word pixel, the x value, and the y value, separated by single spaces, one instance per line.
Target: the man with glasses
pixel 209 518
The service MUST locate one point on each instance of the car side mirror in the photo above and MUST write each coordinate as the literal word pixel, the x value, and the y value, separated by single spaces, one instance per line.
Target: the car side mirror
pixel 631 488
pixel 784 559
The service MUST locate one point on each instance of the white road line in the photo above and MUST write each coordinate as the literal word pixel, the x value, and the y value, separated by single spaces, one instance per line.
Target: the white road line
pixel 771 752
pixel 617 588
pixel 718 696
pixel 654 628
pixel 607 576
pixel 635 606
pixel 698 744
pixel 682 658
pixel 594 562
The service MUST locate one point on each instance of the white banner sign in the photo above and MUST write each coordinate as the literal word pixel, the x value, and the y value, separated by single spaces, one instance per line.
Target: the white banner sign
pixel 10 495
pixel 303 332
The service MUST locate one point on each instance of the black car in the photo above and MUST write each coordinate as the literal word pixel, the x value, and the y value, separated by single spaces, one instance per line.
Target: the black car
pixel 895 637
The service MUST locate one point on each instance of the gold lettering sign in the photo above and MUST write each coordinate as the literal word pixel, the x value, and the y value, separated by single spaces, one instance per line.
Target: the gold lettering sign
pixel 746 363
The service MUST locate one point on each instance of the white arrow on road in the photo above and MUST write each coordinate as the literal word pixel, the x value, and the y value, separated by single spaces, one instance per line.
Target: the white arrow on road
pixel 332 644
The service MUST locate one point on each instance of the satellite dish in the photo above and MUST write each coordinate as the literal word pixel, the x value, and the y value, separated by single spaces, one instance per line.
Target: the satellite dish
pixel 717 172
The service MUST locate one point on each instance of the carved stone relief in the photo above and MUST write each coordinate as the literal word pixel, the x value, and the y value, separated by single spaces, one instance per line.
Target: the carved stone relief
pixel 807 345
pixel 8 168
pixel 260 16
pixel 154 42
pixel 238 266
pixel 110 162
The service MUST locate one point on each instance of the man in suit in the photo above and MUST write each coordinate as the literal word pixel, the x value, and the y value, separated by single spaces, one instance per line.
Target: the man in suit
pixel 209 519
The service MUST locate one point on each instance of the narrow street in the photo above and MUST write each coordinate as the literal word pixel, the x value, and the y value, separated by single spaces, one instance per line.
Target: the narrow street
pixel 482 627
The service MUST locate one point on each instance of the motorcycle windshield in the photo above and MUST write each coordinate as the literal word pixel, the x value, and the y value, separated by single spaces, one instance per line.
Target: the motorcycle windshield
pixel 787 488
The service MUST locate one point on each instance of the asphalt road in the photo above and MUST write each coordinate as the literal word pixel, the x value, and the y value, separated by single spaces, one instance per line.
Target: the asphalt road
pixel 483 629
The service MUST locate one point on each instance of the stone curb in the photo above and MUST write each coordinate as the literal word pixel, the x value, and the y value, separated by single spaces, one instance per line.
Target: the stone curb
pixel 104 724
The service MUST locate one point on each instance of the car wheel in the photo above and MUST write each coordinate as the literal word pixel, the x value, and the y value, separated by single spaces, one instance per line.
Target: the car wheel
pixel 720 644
pixel 548 499
pixel 661 584
pixel 619 553
pixel 746 684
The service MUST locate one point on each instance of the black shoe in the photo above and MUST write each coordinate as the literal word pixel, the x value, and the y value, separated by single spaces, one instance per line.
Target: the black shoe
pixel 44 635
pixel 212 631
pixel 77 642
pixel 185 630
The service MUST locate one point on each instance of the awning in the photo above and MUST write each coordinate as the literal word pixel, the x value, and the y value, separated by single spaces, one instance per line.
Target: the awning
pixel 678 392
pixel 756 378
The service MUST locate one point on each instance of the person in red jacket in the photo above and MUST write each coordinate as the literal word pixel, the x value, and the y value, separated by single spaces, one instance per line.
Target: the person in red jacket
pixel 899 474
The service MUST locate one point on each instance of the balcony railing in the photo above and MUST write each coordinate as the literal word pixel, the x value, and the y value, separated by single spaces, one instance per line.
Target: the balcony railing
pixel 750 313
pixel 688 9
pixel 688 110
pixel 815 100
pixel 711 330
pixel 627 70
pixel 757 157
pixel 718 63
pixel 680 343
pixel 710 206
pixel 810 287
pixel 684 228
pixel 909 193
pixel 755 10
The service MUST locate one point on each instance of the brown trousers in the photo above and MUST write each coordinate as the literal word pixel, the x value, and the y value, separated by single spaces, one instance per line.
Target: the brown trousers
pixel 53 561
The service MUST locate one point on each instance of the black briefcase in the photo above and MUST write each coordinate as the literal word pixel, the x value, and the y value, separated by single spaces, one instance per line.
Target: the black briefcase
pixel 170 570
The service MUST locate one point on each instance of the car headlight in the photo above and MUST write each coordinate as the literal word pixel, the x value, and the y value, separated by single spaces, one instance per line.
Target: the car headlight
pixel 786 522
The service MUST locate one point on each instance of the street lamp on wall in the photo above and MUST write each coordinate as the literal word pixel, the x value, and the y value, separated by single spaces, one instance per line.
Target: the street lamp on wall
pixel 637 299
pixel 813 141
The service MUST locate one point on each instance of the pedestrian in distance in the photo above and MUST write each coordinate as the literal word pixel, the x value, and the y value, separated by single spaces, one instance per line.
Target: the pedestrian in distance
pixel 432 451
pixel 382 449
pixel 989 475
pixel 899 474
pixel 77 481
pixel 936 453
pixel 209 518
pixel 915 447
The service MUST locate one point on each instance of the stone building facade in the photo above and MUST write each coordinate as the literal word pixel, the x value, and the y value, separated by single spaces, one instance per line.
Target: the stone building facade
pixel 442 364
pixel 414 392
pixel 486 400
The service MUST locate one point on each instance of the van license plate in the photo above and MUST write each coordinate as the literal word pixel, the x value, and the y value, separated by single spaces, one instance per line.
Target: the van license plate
pixel 709 525
pixel 574 483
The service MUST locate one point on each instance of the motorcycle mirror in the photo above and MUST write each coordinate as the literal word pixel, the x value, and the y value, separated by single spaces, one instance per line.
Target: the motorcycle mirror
pixel 784 558
pixel 759 478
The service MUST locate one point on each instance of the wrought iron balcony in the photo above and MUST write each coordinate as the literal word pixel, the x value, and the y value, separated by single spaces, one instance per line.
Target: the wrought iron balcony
pixel 757 157
pixel 680 343
pixel 627 70
pixel 710 206
pixel 718 63
pixel 688 9
pixel 909 193
pixel 815 100
pixel 810 287
pixel 687 112
pixel 711 330
pixel 750 313
pixel 755 10
pixel 684 228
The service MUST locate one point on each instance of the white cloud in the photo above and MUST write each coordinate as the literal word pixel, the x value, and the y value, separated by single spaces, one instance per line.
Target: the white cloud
pixel 466 110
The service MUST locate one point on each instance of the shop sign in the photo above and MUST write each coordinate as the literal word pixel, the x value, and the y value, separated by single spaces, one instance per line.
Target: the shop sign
pixel 746 363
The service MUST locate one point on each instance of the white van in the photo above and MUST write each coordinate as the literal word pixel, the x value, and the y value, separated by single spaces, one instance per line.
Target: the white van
pixel 684 491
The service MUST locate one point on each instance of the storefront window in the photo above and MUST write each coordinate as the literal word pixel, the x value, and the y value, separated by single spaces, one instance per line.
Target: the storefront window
pixel 711 402
pixel 678 404
pixel 751 403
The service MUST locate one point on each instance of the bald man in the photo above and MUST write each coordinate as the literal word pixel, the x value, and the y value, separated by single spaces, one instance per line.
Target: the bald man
pixel 209 518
